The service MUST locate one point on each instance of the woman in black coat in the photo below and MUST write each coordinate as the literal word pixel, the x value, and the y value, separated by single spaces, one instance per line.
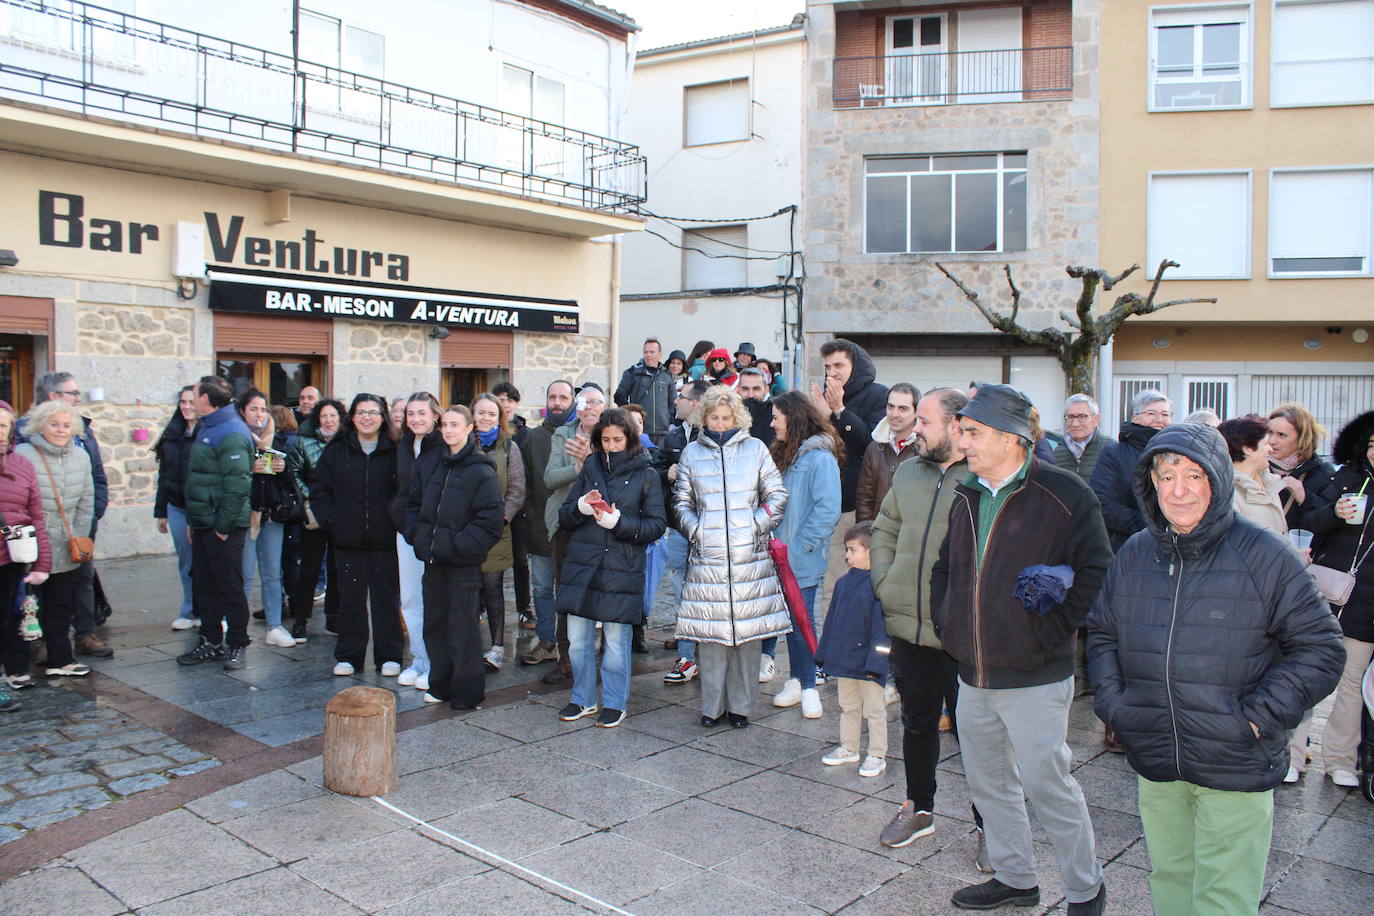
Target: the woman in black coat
pixel 454 515
pixel 1340 543
pixel 172 452
pixel 349 494
pixel 614 511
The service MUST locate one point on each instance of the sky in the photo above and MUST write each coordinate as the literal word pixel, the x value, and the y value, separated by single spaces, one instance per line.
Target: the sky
pixel 667 22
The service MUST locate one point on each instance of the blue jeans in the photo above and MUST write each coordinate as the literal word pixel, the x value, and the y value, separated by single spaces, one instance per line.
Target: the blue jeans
pixel 263 557
pixel 654 561
pixel 615 662
pixel 799 656
pixel 541 584
pixel 176 526
pixel 411 572
pixel 675 550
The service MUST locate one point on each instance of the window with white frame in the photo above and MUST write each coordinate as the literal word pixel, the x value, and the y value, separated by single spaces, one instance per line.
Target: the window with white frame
pixel 1216 394
pixel 715 112
pixel 1199 57
pixel 1127 387
pixel 1323 53
pixel 945 203
pixel 330 41
pixel 713 257
pixel 1202 221
pixel 1319 222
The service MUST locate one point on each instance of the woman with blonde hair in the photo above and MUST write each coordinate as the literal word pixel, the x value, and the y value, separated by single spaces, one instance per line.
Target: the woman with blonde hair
pixel 66 483
pixel 493 436
pixel 728 498
pixel 1294 435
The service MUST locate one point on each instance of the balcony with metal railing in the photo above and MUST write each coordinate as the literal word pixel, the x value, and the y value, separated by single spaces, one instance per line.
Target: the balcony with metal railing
pixel 83 58
pixel 956 77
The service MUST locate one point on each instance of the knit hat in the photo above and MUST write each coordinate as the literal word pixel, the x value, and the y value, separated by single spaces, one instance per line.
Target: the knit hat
pixel 1001 407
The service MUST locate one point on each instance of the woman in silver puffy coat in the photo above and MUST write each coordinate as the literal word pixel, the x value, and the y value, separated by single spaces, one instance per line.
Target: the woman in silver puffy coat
pixel 728 497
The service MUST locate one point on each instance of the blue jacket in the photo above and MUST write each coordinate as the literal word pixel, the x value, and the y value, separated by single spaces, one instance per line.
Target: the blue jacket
pixel 855 642
pixel 813 509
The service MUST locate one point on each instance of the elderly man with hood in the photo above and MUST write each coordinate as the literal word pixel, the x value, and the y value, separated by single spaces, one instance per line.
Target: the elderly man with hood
pixel 1206 643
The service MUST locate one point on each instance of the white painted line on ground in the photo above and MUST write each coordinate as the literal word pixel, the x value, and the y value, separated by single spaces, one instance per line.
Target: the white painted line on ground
pixel 502 859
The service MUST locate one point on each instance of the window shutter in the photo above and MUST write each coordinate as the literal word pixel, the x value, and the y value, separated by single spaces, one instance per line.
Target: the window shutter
pixel 717 112
pixel 1319 215
pixel 701 271
pixel 1323 52
pixel 1201 221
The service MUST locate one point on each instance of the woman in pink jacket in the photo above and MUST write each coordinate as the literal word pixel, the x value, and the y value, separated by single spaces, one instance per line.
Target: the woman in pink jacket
pixel 20 505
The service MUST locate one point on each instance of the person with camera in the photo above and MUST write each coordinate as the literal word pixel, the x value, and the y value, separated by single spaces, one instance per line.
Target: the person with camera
pixel 271 497
pixel 25 554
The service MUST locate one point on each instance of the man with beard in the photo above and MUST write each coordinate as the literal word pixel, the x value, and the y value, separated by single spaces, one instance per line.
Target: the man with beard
pixel 753 387
pixel 907 533
pixel 558 399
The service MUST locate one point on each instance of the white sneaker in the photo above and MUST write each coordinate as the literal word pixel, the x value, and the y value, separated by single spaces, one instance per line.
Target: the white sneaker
pixel 1345 779
pixel 873 766
pixel 390 669
pixel 280 636
pixel 407 678
pixel 430 698
pixel 811 703
pixel 1291 776
pixel 890 694
pixel 495 657
pixel 182 623
pixel 790 695
pixel 840 756
pixel 422 681
pixel 767 668
pixel 343 669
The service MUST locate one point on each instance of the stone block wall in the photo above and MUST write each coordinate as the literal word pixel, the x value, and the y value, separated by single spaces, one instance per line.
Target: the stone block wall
pixel 369 342
pixel 542 358
pixel 108 330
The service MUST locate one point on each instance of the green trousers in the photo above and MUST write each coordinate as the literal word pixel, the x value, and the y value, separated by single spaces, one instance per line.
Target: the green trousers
pixel 1208 847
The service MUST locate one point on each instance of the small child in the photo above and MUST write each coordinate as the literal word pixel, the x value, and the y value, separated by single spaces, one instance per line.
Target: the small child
pixel 853 649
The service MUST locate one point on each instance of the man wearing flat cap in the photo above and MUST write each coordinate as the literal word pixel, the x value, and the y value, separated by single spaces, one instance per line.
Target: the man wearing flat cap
pixel 1018 569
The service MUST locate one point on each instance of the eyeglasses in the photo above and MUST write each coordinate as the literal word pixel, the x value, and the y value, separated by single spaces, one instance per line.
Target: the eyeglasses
pixel 72 392
pixel 367 413
pixel 1157 414
pixel 1077 417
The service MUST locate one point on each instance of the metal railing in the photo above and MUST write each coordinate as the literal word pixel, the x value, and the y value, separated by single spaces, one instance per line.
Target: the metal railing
pixel 86 58
pixel 957 77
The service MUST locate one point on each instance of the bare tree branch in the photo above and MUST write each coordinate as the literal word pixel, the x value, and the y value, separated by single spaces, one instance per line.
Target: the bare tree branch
pixel 1015 293
pixel 1071 321
pixel 1050 338
pixel 1108 281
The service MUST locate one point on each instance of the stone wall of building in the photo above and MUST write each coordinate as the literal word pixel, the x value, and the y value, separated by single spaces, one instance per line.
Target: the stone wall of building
pixel 369 342
pixel 542 358
pixel 122 330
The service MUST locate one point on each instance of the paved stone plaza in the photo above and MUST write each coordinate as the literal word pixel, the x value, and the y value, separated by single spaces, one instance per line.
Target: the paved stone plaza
pixel 656 816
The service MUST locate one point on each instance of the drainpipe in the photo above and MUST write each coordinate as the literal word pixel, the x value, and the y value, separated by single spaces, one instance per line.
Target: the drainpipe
pixel 615 313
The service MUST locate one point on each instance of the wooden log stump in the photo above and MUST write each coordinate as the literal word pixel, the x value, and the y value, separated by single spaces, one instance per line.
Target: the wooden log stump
pixel 360 742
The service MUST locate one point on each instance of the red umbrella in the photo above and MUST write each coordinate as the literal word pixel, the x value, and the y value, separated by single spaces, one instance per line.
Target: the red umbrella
pixel 777 549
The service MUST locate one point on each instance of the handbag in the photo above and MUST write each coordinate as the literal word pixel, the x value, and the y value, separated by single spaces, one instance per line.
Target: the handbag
pixel 1337 584
pixel 290 508
pixel 81 549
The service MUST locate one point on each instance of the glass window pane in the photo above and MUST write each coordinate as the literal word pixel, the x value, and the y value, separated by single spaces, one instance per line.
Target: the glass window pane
pixel 886 222
pixel 903 33
pixel 285 381
pixel 364 52
pixel 1174 48
pixel 319 39
pixel 548 100
pixel 239 373
pixel 516 88
pixel 962 163
pixel 930 31
pixel 1221 48
pixel 975 213
pixel 1014 160
pixel 930 212
pixel 1317 265
pixel 907 164
pixel 1014 211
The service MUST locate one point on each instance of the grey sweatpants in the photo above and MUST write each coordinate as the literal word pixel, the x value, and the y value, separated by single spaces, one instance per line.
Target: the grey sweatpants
pixel 729 677
pixel 1012 742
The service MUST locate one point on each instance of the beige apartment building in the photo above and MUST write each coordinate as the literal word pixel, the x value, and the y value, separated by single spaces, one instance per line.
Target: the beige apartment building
pixel 1238 140
pixel 179 204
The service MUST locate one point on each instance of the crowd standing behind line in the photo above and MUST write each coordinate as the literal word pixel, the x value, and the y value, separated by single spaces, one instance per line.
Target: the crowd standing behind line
pixel 981 543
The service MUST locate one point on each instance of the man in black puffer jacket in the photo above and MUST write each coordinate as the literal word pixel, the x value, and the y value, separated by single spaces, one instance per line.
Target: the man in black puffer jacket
pixel 1207 642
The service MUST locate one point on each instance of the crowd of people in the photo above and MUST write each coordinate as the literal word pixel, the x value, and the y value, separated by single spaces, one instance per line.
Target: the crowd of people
pixel 1204 579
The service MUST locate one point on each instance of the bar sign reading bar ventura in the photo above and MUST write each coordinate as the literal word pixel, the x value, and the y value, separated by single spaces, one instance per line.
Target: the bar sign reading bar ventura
pixel 261 292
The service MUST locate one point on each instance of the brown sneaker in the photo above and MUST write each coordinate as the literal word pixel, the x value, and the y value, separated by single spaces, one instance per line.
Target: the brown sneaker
pixel 908 825
pixel 92 645
pixel 1112 743
pixel 540 652
pixel 561 673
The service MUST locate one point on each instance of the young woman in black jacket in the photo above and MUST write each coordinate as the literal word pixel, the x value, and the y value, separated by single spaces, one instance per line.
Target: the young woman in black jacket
pixel 614 511
pixel 421 437
pixel 350 492
pixel 453 517
pixel 173 454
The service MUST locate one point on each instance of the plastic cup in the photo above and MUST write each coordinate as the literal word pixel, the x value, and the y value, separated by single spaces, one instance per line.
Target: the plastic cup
pixel 1361 501
pixel 1301 539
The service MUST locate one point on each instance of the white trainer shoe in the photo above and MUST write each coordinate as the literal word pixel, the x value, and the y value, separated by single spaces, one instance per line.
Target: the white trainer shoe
pixel 873 766
pixel 182 623
pixel 790 695
pixel 840 756
pixel 343 669
pixel 391 669
pixel 767 668
pixel 890 694
pixel 495 657
pixel 281 637
pixel 429 698
pixel 422 681
pixel 407 678
pixel 1345 779
pixel 1291 776
pixel 811 703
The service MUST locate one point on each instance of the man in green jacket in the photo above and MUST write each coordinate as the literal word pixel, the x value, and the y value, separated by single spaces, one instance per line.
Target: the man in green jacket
pixel 219 482
pixel 907 533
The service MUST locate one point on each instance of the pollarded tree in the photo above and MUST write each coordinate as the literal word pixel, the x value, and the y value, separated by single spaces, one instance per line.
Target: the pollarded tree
pixel 1078 353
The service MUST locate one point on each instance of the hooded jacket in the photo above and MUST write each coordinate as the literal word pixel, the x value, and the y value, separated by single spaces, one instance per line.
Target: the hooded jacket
pixel 728 499
pixel 880 463
pixel 1337 544
pixel 351 491
pixel 865 406
pixel 654 390
pixel 813 510
pixel 453 509
pixel 219 477
pixel 21 503
pixel 729 376
pixel 603 570
pixel 907 535
pixel 1114 483
pixel 71 479
pixel 406 463
pixel 1194 636
pixel 173 454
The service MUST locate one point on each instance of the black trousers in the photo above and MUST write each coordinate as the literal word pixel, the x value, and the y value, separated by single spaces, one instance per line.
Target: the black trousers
pixel 217 580
pixel 927 680
pixel 494 605
pixel 14 652
pixel 453 637
pixel 368 577
pixel 290 569
pixel 313 547
pixel 519 541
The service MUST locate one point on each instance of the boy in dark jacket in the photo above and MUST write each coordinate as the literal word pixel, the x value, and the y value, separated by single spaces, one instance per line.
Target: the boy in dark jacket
pixel 853 650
